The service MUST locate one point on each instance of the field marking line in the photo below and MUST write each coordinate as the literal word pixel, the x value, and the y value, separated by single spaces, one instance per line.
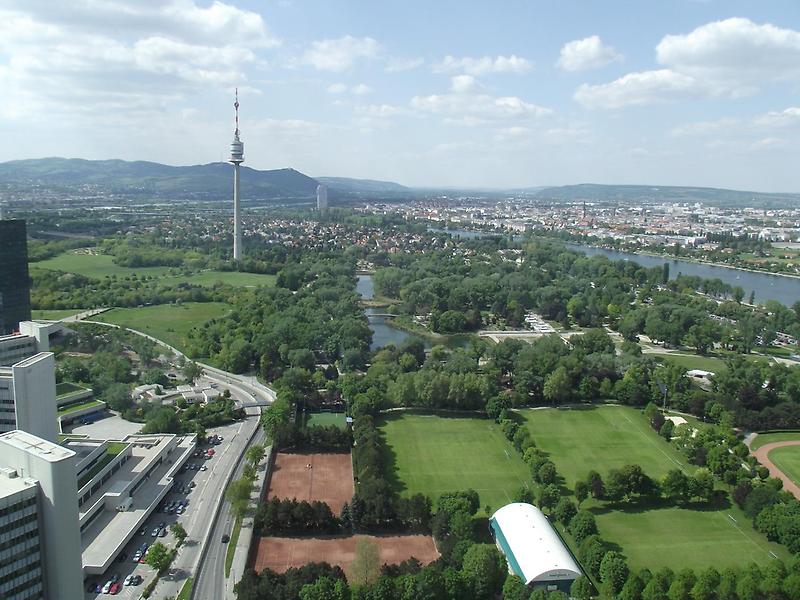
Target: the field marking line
pixel 507 455
pixel 644 434
pixel 747 537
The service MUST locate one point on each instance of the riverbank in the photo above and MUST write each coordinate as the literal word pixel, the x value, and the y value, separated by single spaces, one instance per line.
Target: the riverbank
pixel 404 323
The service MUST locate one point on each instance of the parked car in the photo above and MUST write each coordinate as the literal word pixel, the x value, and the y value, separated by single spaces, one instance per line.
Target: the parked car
pixel 115 588
pixel 203 468
pixel 156 531
pixel 107 587
pixel 162 533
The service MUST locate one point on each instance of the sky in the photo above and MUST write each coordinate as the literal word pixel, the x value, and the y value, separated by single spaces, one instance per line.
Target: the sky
pixel 467 93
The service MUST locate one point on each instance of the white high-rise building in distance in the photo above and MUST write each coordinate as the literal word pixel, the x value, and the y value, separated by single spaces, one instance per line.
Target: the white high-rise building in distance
pixel 322 197
pixel 236 159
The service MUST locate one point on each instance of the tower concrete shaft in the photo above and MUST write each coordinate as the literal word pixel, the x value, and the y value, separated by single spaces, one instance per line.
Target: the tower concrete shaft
pixel 237 216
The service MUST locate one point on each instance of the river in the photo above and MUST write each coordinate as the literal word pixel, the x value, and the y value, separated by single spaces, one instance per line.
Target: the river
pixel 785 290
pixel 383 334
pixel 767 286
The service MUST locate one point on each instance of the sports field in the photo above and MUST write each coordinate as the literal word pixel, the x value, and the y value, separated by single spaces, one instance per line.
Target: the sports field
pixel 762 439
pixel 98 266
pixel 325 477
pixel 325 419
pixel 600 438
pixel 167 322
pixel 436 454
pixel 605 437
pixel 787 459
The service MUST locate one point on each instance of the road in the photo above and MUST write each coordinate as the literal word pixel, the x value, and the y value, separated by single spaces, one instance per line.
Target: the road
pixel 211 515
pixel 210 581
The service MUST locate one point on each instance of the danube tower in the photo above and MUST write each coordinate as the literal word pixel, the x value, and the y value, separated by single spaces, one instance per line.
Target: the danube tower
pixel 237 158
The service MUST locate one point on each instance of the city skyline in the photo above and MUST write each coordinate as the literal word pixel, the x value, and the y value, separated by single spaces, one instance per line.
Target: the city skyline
pixel 698 93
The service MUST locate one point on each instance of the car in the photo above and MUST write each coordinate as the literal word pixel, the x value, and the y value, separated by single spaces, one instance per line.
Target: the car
pixel 210 452
pixel 144 547
pixel 115 589
pixel 143 558
pixel 156 532
pixel 114 578
pixel 143 531
pixel 192 484
pixel 162 533
pixel 137 555
pixel 203 468
pixel 136 579
pixel 128 580
pixel 107 587
pixel 225 538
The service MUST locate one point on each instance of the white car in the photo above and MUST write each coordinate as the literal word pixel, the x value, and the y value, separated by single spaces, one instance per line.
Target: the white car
pixel 129 580
pixel 107 587
pixel 155 531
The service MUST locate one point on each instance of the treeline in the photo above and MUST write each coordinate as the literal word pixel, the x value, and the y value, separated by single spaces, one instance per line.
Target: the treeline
pixel 289 516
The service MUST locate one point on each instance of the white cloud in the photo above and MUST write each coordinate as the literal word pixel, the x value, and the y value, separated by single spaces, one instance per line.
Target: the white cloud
pixel 467 104
pixel 337 88
pixel 361 89
pixel 484 65
pixel 782 118
pixel 397 65
pixel 730 58
pixel 462 84
pixel 637 89
pixel 588 53
pixel 705 127
pixel 340 54
pixel 111 59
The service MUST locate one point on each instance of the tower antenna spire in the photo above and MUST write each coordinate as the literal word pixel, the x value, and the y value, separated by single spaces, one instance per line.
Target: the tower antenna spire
pixel 236 108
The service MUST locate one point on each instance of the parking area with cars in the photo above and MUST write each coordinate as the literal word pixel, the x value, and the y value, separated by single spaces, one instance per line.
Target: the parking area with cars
pixel 196 478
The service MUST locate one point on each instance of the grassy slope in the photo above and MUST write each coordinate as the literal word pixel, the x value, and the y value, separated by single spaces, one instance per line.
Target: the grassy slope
pixel 167 322
pixel 431 454
pixel 54 314
pixel 607 437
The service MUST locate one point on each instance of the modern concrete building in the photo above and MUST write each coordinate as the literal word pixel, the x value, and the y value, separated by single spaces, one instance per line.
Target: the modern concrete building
pixel 15 297
pixel 19 538
pixel 51 469
pixel 322 197
pixel 33 337
pixel 28 397
pixel 533 548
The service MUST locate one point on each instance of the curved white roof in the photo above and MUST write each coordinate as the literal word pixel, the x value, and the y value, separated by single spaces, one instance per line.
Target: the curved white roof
pixel 533 548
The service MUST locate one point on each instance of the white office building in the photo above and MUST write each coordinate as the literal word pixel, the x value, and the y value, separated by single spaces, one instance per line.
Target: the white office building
pixel 28 397
pixel 33 337
pixel 322 197
pixel 20 546
pixel 34 467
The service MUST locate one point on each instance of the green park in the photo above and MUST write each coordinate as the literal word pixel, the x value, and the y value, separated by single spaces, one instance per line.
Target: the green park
pixel 432 454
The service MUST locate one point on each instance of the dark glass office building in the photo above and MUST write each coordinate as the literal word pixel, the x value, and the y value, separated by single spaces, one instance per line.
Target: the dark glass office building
pixel 15 293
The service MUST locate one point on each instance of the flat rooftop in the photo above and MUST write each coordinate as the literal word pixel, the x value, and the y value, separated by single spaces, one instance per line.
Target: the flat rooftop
pixel 36 446
pixel 13 485
pixel 108 533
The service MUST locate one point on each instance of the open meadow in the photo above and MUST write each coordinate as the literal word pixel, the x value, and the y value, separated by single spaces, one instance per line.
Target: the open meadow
pixel 98 266
pixel 169 323
pixel 607 437
pixel 435 454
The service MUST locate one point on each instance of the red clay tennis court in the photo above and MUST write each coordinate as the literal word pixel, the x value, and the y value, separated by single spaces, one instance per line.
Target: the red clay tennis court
pixel 279 553
pixel 329 478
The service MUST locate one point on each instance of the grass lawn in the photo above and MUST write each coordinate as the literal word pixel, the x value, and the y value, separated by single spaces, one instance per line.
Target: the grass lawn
pixel 705 363
pixel 600 438
pixel 762 439
pixel 436 454
pixel 167 322
pixel 230 551
pixel 326 418
pixel 679 537
pixel 186 590
pixel 787 460
pixel 54 315
pixel 96 266
pixel 234 278
pixel 607 437
pixel 65 387
pixel 64 410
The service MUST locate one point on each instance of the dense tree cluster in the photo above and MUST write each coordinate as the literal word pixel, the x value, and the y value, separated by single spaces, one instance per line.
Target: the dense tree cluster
pixel 305 582
pixel 289 516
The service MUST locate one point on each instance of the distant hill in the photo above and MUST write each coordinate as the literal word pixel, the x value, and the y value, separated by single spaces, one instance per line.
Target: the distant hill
pixel 627 194
pixel 350 186
pixel 141 179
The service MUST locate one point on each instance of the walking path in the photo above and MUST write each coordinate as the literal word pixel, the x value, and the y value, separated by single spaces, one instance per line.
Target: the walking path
pixel 762 455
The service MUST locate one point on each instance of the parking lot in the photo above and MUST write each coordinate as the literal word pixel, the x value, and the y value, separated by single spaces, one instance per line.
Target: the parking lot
pixel 196 480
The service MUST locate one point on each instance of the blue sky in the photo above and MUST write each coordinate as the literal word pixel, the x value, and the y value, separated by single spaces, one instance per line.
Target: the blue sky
pixel 482 94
